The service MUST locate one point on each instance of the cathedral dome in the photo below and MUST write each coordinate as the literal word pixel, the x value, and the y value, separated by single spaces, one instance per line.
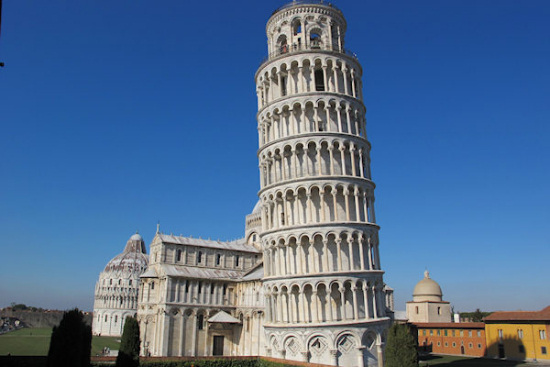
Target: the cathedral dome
pixel 257 207
pixel 427 290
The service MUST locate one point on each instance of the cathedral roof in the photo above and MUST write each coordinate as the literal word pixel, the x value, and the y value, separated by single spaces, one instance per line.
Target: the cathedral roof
pixel 191 272
pixel 256 273
pixel 236 245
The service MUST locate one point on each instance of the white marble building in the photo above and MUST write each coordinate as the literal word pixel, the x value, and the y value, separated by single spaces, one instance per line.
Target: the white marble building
pixel 323 280
pixel 116 291
pixel 305 283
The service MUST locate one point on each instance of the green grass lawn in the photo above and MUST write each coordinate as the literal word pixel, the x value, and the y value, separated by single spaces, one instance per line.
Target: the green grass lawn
pixel 35 342
pixel 453 361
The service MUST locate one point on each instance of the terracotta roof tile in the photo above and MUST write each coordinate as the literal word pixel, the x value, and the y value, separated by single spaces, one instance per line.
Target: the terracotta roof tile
pixel 542 315
pixel 450 325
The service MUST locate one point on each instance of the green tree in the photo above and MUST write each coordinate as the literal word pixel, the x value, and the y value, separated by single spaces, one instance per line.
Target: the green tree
pixel 71 342
pixel 128 355
pixel 401 348
pixel 477 316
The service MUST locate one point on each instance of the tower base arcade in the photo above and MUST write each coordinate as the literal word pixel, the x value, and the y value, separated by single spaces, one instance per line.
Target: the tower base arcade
pixel 350 345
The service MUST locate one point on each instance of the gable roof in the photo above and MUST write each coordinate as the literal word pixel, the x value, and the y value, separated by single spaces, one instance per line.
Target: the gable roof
pixel 542 315
pixel 223 317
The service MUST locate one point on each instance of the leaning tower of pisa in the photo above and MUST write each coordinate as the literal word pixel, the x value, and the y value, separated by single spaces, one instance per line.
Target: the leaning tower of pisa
pixel 323 281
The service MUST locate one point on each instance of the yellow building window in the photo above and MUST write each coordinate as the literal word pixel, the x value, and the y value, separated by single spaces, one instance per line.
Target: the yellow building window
pixel 500 334
pixel 520 333
pixel 542 334
pixel 543 350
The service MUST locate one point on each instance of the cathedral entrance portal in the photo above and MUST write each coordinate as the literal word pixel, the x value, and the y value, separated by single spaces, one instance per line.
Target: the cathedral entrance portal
pixel 217 345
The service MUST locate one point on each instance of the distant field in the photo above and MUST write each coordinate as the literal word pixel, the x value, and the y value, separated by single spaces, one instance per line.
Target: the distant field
pixel 35 342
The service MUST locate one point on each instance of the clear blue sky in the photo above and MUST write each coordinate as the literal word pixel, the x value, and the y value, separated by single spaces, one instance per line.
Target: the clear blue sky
pixel 117 114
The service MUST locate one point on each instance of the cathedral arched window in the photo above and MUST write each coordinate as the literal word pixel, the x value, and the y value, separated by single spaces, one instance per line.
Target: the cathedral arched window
pixel 116 318
pixel 218 259
pixel 130 283
pixel 199 257
pixel 237 260
pixel 106 317
pixel 178 256
pixel 152 285
pixel 200 287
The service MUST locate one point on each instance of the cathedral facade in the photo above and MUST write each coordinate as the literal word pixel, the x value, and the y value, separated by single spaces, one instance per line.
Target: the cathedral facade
pixel 305 283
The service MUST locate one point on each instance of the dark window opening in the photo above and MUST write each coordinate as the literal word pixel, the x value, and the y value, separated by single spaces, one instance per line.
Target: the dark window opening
pixel 237 260
pixel 153 285
pixel 186 287
pixel 200 287
pixel 178 256
pixel 200 322
pixel 319 80
pixel 224 289
pixel 283 86
pixel 218 259
pixel 212 288
pixel 199 257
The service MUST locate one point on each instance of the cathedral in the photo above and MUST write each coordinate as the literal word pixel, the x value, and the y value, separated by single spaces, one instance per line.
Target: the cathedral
pixel 305 283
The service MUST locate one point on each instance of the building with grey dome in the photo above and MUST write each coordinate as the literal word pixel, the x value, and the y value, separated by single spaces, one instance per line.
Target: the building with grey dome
pixel 116 291
pixel 428 304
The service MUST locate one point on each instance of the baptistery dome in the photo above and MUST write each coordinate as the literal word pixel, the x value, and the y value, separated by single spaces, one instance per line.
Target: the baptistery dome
pixel 132 260
pixel 116 291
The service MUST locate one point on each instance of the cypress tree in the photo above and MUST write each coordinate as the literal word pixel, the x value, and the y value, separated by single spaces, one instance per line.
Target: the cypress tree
pixel 71 342
pixel 401 348
pixel 128 355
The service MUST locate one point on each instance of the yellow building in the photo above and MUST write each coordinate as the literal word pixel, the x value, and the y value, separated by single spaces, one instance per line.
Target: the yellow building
pixel 518 335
